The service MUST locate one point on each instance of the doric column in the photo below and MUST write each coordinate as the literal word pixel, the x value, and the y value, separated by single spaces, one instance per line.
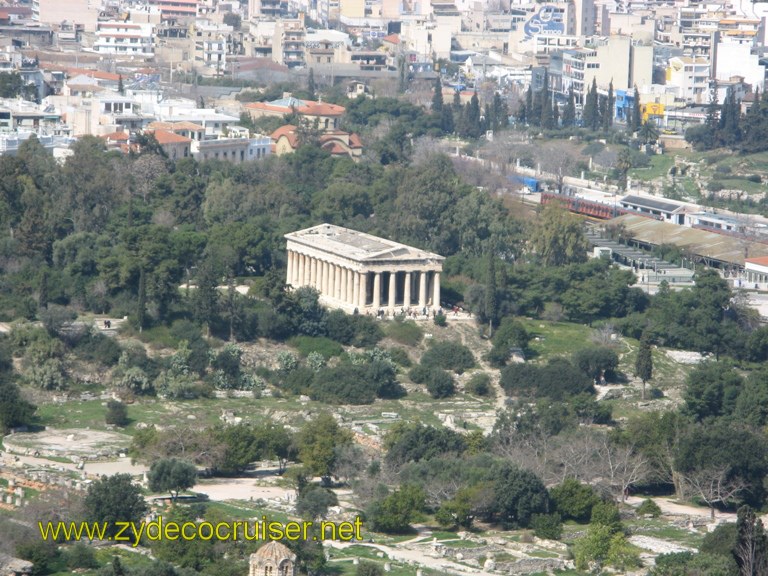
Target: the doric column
pixel 302 269
pixel 296 262
pixel 343 291
pixel 313 274
pixel 350 299
pixel 407 290
pixel 422 289
pixel 356 289
pixel 363 289
pixel 377 290
pixel 326 274
pixel 307 270
pixel 436 289
pixel 392 290
pixel 336 281
pixel 289 268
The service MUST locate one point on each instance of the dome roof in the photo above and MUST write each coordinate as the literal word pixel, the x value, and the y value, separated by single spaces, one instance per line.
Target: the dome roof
pixel 274 553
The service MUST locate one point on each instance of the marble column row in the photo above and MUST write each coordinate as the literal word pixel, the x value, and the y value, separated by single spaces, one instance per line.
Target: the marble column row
pixel 351 286
pixel 332 280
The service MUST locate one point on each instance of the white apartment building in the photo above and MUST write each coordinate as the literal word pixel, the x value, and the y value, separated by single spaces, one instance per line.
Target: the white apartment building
pixel 426 38
pixel 691 76
pixel 211 46
pixel 84 13
pixel 288 42
pixel 616 59
pixel 125 39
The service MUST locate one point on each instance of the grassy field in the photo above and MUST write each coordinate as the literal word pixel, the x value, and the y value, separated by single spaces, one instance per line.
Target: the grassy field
pixel 660 165
pixel 556 338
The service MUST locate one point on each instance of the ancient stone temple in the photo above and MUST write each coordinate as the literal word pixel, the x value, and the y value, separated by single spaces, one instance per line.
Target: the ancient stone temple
pixel 353 270
pixel 273 559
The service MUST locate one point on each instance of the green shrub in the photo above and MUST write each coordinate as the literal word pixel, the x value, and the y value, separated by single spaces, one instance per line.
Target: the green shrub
pixel 117 413
pixel 548 526
pixel 405 332
pixel 440 320
pixel 649 507
pixel 480 384
pixel 596 361
pixel 574 500
pixel 419 374
pixel 320 344
pixel 400 357
pixel 80 555
pixel 440 384
pixel 449 356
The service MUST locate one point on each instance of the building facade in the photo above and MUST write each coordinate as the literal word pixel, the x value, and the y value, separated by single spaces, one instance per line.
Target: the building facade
pixel 357 271
pixel 125 39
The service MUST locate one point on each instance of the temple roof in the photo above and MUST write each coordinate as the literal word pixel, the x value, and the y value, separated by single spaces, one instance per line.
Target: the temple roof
pixel 358 246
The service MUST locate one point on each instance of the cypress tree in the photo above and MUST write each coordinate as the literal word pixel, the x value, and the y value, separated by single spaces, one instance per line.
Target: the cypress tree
pixel 529 103
pixel 499 117
pixel 591 117
pixel 547 118
pixel 446 120
pixel 311 88
pixel 42 296
pixel 636 116
pixel 644 362
pixel 490 301
pixel 473 116
pixel 141 306
pixel 569 113
pixel 437 97
pixel 534 113
pixel 610 102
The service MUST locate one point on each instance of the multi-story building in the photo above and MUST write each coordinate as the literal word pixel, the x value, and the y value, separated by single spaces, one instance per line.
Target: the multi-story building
pixel 267 9
pixel 736 51
pixel 176 9
pixel 125 39
pixel 212 45
pixel 691 76
pixel 617 59
pixel 288 43
pixel 83 13
pixel 426 39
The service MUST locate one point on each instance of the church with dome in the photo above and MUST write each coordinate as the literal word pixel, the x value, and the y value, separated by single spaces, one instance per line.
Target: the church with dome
pixel 273 559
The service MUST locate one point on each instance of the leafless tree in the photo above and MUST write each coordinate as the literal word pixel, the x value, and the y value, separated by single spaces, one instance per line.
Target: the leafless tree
pixel 714 485
pixel 603 335
pixel 621 467
pixel 146 169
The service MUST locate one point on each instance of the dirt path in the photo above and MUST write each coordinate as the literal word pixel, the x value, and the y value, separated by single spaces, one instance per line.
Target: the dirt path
pixel 417 557
pixel 668 506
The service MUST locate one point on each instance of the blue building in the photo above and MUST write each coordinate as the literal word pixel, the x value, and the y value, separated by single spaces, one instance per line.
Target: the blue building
pixel 625 101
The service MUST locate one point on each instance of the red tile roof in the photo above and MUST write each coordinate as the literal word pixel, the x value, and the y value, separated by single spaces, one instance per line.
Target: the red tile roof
pixel 288 131
pixel 392 39
pixel 310 108
pixel 93 74
pixel 321 109
pixel 117 137
pixel 166 137
pixel 761 261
